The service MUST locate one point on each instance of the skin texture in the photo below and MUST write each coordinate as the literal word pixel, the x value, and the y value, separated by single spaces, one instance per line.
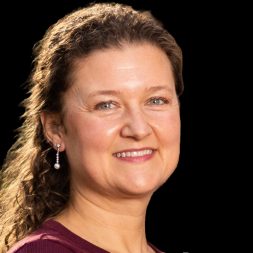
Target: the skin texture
pixel 121 99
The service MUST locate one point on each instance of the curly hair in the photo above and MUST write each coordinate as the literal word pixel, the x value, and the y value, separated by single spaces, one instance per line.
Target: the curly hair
pixel 31 191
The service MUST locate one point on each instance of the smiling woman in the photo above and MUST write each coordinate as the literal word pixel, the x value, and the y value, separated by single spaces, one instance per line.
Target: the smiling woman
pixel 101 134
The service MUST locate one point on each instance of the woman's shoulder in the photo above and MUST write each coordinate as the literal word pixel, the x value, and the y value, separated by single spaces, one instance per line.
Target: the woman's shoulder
pixel 39 246
pixel 52 237
pixel 48 238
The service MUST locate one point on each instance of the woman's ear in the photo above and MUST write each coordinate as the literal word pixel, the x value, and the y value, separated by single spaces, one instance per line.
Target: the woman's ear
pixel 53 129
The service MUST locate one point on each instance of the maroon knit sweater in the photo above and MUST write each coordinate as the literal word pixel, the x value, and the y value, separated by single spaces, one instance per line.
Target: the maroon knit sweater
pixel 53 237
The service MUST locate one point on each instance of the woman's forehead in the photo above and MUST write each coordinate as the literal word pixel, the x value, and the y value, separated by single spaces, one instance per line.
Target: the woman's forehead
pixel 116 67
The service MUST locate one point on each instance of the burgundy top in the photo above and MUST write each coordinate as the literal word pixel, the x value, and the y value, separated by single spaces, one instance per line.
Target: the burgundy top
pixel 53 237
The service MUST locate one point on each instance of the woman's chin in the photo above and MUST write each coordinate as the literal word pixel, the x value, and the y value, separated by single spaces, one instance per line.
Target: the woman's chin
pixel 141 187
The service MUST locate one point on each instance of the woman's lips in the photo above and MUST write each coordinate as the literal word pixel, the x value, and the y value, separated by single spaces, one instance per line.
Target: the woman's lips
pixel 135 155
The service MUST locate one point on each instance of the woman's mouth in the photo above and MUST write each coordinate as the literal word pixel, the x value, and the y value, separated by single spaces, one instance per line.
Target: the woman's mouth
pixel 135 155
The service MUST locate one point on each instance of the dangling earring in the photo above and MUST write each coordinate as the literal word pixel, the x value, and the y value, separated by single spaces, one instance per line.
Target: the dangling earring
pixel 57 164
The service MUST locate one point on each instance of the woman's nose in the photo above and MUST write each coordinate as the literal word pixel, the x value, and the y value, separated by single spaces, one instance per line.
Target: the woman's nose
pixel 136 125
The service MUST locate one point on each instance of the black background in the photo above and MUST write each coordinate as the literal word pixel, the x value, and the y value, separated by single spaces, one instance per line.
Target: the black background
pixel 192 211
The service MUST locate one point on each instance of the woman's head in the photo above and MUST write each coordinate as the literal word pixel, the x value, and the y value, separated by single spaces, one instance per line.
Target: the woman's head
pixel 42 191
pixel 84 32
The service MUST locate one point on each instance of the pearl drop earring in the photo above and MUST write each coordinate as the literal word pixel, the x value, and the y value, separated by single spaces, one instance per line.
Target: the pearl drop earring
pixel 57 164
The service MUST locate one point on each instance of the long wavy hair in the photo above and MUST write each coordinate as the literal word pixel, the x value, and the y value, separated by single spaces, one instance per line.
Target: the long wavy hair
pixel 31 189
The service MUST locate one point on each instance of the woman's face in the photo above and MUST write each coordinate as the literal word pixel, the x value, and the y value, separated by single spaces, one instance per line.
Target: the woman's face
pixel 121 121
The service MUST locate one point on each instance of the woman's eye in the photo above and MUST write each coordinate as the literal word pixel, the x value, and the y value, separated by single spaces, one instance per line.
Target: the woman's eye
pixel 104 105
pixel 158 101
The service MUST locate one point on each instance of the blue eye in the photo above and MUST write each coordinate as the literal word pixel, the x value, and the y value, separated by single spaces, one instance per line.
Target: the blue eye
pixel 104 105
pixel 158 101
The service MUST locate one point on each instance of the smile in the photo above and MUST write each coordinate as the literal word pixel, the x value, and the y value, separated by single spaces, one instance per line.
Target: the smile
pixel 136 153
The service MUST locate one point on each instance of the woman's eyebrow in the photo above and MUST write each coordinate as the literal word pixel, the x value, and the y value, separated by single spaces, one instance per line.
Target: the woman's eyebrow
pixel 117 92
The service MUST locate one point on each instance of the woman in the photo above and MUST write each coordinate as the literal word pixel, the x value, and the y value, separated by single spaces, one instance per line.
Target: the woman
pixel 101 134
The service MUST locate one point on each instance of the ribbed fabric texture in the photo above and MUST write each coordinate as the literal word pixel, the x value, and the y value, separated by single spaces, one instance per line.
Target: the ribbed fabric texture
pixel 42 246
pixel 53 237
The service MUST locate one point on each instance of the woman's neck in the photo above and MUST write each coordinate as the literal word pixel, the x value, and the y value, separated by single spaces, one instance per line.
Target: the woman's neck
pixel 114 225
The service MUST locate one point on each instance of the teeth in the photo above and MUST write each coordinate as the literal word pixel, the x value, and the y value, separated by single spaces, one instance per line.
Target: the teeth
pixel 134 153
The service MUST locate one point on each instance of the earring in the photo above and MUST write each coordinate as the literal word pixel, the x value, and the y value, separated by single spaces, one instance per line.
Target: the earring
pixel 57 164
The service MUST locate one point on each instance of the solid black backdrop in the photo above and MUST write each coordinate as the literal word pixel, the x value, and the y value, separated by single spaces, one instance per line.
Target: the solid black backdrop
pixel 184 211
